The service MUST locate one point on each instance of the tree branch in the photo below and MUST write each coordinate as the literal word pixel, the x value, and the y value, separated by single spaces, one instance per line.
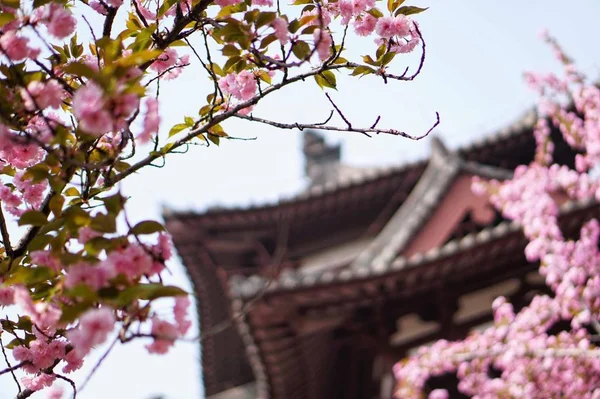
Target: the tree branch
pixel 5 235
pixel 108 22
pixel 11 369
pixel 349 128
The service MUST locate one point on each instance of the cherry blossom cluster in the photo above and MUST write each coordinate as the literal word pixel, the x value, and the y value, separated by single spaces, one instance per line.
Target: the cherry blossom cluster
pixel 78 116
pixel 531 360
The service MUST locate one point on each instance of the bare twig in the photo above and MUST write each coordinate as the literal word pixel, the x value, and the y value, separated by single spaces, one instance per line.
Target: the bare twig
pixel 5 235
pixel 339 112
pixel 13 368
pixel 10 367
pixel 365 131
pixel 102 358
pixel 71 382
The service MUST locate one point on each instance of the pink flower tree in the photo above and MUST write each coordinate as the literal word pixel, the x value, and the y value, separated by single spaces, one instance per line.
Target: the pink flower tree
pixel 528 359
pixel 79 116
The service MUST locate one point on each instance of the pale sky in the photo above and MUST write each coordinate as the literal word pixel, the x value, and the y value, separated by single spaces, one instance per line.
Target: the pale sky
pixel 476 54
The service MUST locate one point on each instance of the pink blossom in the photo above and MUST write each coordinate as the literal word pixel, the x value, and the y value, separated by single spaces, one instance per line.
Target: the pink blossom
pixel 59 21
pixel 86 233
pixel 388 27
pixel 98 7
pixel 132 262
pixel 438 394
pixel 89 108
pixel 225 3
pixel 164 247
pixel 280 25
pixel 151 121
pixel 326 16
pixel 43 314
pixel 45 258
pixel 146 12
pixel 16 47
pixel 39 381
pixel 7 296
pixel 55 393
pixel 346 10
pixel 74 362
pixel 242 86
pixel 268 3
pixel 33 193
pixel 385 27
pixel 365 25
pixel 115 3
pixel 180 311
pixel 164 334
pixel 95 277
pixel 94 327
pixel 323 42
pixel 42 95
pixel 9 198
pixel 165 61
pixel 123 106
pixel 168 65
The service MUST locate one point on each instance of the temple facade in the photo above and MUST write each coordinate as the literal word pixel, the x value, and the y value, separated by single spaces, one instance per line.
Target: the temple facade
pixel 317 296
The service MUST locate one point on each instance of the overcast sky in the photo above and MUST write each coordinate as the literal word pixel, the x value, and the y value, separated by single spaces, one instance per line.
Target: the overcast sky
pixel 476 54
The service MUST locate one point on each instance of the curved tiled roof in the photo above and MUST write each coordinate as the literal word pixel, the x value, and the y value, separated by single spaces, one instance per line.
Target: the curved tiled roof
pixel 244 288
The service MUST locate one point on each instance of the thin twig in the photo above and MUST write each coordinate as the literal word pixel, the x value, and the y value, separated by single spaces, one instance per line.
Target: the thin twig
pixel 5 235
pixel 340 112
pixel 11 368
pixel 71 382
pixel 102 358
pixel 365 131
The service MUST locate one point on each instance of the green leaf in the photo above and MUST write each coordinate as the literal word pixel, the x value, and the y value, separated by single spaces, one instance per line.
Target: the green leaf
pixel 146 227
pixel 375 12
pixel 362 70
pixel 82 291
pixel 177 128
pixel 388 57
pixel 214 139
pixel 71 313
pixel 114 203
pixel 56 204
pixel 230 50
pixel 393 4
pixel 301 50
pixel 25 323
pixel 96 245
pixel 76 217
pixel 104 223
pixel 268 40
pixel 72 192
pixel 11 3
pixel 33 218
pixel 148 292
pixel 133 23
pixel 138 58
pixel 79 69
pixel 231 62
pixel 265 18
pixel 189 121
pixel 29 275
pixel 40 242
pixel 326 79
pixel 369 60
pixel 6 17
pixel 410 10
